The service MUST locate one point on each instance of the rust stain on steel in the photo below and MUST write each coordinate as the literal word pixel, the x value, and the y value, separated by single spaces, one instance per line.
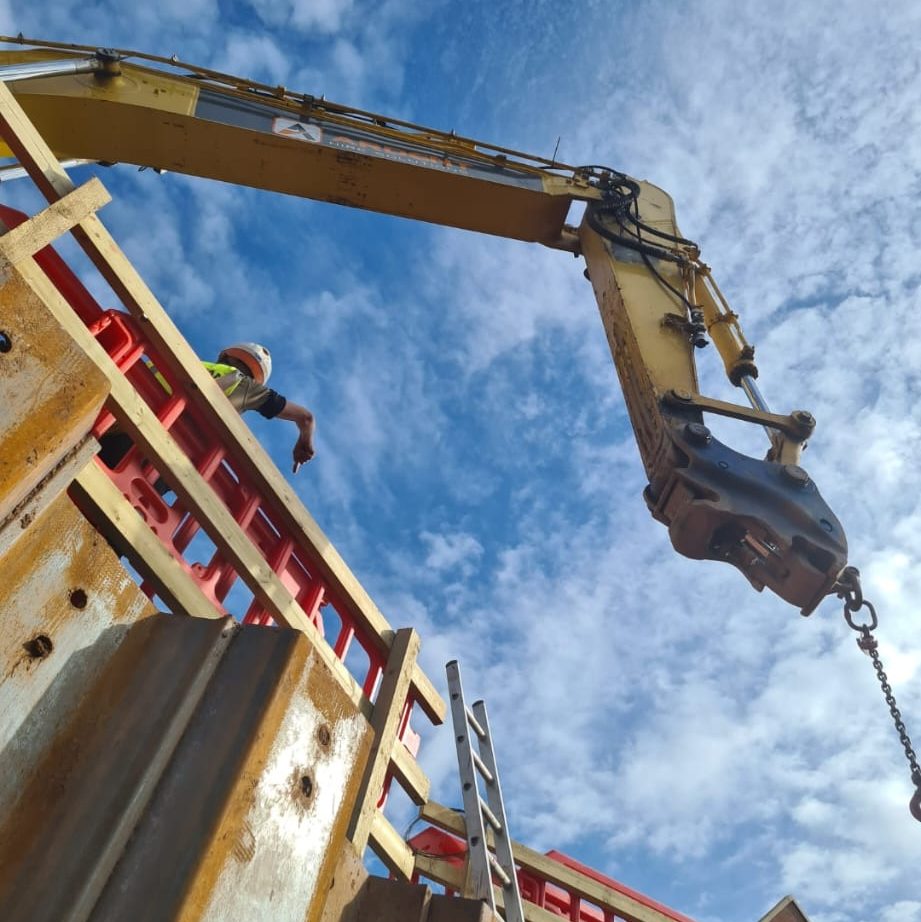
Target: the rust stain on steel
pixel 50 392
pixel 59 553
pixel 122 745
pixel 296 796
pixel 84 798
pixel 247 836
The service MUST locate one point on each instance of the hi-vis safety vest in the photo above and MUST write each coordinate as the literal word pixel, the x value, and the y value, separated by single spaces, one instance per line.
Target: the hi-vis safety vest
pixel 228 378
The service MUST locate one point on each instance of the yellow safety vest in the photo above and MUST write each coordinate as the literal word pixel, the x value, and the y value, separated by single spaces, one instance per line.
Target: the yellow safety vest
pixel 217 370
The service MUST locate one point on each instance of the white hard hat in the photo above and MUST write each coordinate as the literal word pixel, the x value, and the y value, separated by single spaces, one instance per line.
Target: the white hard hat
pixel 255 358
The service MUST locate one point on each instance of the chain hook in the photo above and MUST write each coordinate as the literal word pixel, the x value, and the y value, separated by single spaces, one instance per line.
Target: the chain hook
pixel 848 588
pixel 915 803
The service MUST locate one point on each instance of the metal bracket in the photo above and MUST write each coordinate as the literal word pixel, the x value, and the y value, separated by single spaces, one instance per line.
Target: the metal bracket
pixel 799 425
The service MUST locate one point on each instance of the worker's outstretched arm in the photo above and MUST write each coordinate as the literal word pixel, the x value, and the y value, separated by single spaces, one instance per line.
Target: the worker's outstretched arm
pixel 306 424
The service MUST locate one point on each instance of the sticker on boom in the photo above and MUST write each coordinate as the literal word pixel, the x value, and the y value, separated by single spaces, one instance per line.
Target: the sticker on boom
pixel 300 131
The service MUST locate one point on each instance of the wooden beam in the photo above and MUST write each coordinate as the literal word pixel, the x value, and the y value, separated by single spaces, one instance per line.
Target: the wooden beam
pixel 45 227
pixel 451 876
pixel 427 696
pixel 390 847
pixel 449 820
pixel 41 164
pixel 143 548
pixel 30 148
pixel 385 721
pixel 532 912
pixel 626 907
pixel 441 871
pixel 411 777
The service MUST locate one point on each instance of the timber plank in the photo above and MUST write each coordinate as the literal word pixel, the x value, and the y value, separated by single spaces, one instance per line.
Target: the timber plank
pixel 45 227
pixel 183 364
pixel 386 723
pixel 626 907
pixel 172 583
pixel 255 463
pixel 390 847
pixel 411 777
pixel 441 871
pixel 30 148
pixel 451 876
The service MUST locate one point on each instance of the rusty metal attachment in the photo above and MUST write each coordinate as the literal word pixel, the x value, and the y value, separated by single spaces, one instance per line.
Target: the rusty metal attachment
pixel 849 589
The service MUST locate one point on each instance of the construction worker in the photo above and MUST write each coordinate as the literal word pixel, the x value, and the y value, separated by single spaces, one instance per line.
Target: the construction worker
pixel 241 371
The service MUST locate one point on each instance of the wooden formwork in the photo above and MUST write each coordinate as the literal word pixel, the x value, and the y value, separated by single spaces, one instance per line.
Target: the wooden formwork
pixel 63 460
pixel 584 894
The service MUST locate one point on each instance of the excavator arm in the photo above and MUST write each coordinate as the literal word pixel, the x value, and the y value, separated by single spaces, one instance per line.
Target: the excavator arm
pixel 658 301
pixel 659 304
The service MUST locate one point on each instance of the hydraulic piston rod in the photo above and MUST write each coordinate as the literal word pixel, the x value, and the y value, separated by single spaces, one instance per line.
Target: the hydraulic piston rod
pixel 26 71
pixel 755 398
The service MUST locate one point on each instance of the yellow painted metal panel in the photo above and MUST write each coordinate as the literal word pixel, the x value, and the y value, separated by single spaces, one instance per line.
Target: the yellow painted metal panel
pixel 50 392
pixel 66 603
pixel 650 358
pixel 231 750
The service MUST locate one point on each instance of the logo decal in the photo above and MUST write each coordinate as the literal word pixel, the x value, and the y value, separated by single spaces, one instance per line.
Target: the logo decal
pixel 300 131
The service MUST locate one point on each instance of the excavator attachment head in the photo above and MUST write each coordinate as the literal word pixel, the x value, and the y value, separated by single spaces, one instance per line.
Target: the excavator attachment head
pixel 767 519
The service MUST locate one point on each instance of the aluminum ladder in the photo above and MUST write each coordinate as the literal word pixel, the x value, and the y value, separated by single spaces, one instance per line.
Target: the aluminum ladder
pixel 480 763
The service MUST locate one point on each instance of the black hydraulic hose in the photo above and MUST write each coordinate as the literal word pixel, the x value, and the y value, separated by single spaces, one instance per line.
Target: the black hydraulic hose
pixel 620 202
pixel 644 249
pixel 659 233
pixel 631 244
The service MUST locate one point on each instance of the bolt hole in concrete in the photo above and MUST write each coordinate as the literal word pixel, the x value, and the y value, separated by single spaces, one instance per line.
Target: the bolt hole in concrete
pixel 6 341
pixel 78 598
pixel 307 786
pixel 39 646
pixel 324 736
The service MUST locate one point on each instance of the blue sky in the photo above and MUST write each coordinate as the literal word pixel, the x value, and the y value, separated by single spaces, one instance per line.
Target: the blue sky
pixel 654 717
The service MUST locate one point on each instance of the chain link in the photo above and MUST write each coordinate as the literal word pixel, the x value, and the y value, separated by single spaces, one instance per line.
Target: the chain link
pixel 849 589
pixel 868 644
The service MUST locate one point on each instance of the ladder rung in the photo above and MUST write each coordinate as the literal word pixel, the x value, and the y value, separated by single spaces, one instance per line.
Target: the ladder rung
pixel 483 770
pixel 475 725
pixel 490 817
pixel 498 870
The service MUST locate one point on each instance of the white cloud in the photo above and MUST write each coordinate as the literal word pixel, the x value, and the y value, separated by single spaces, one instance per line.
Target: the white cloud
pixel 324 16
pixel 259 57
pixel 450 551
pixel 903 911
pixel 508 293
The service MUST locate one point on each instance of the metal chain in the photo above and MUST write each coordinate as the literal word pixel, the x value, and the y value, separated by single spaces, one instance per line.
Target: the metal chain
pixel 848 588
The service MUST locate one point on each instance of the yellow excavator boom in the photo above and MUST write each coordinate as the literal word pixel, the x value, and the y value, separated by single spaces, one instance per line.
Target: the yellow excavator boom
pixel 657 299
